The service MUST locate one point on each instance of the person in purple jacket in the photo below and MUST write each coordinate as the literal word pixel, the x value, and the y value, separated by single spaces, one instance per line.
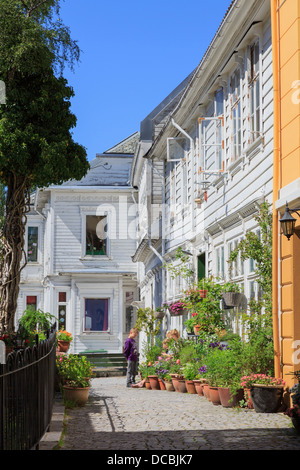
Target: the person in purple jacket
pixel 130 352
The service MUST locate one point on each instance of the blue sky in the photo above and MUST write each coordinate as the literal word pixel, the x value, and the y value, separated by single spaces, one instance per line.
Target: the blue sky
pixel 134 53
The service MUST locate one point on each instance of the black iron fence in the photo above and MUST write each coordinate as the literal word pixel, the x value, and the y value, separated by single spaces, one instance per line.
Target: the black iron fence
pixel 27 388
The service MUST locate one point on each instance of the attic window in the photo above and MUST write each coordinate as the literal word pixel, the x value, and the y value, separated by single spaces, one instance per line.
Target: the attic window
pixel 96 235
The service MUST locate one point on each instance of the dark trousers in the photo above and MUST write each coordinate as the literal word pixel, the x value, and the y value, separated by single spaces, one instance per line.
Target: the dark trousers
pixel 132 370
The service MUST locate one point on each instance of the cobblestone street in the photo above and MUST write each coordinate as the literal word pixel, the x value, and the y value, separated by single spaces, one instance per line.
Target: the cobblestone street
pixel 120 418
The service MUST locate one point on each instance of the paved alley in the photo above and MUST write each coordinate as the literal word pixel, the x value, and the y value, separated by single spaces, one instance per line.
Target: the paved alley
pixel 120 418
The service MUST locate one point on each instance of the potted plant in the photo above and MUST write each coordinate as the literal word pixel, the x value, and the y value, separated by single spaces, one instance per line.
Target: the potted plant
pixel 76 372
pixel 177 308
pixel 192 323
pixel 232 295
pixel 190 372
pixel 64 339
pixel 266 393
pixel 33 322
pixel 159 313
pixel 206 310
pixel 168 383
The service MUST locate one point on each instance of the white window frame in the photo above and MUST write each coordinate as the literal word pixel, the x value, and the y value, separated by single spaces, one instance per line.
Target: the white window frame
pixel 255 130
pixel 38 225
pixel 236 101
pixel 66 304
pixel 220 261
pixel 90 290
pixel 85 211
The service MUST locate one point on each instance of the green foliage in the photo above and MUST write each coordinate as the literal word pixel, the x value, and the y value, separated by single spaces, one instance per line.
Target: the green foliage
pixel 206 311
pixel 187 352
pixel 36 144
pixel 191 370
pixel 151 351
pixel 225 366
pixel 75 370
pixel 147 322
pixel 259 248
pixel 257 321
pixel 182 268
pixel 34 322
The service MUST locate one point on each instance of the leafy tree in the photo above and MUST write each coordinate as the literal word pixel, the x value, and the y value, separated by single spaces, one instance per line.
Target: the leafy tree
pixel 36 144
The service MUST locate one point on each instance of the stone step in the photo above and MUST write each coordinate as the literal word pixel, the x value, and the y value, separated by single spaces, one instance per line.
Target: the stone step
pixel 109 371
pixel 106 364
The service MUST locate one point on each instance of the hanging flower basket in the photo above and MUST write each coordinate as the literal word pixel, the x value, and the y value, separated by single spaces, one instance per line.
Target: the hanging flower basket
pixel 159 314
pixel 232 299
pixel 177 308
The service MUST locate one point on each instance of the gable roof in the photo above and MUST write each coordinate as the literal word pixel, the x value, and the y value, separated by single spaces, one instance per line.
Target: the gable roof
pixel 126 146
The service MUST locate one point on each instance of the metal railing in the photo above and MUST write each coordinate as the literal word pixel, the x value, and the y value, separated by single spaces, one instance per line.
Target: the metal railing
pixel 27 390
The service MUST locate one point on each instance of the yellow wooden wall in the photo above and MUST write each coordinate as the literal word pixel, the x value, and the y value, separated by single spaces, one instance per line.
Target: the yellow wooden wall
pixel 288 121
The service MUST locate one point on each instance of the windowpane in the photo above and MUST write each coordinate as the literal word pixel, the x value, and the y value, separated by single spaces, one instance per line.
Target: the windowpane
pixel 31 302
pixel 96 230
pixel 62 296
pixel 96 314
pixel 62 317
pixel 32 244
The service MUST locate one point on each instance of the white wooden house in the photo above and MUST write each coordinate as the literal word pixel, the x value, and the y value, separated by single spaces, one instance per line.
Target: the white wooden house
pixel 214 158
pixel 79 241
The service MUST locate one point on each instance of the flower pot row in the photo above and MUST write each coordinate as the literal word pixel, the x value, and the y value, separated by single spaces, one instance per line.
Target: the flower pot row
pixel 263 399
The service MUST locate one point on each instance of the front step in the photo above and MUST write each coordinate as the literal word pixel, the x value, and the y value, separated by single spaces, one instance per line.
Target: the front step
pixel 106 364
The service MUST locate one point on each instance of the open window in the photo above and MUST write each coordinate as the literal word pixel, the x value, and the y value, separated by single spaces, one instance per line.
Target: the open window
pixel 177 148
pixel 211 144
pixel 96 235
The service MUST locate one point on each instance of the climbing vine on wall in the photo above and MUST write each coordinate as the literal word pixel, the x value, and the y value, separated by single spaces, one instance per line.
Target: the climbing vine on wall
pixel 258 319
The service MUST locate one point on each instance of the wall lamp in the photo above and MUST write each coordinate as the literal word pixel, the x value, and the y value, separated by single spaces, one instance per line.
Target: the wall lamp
pixel 288 221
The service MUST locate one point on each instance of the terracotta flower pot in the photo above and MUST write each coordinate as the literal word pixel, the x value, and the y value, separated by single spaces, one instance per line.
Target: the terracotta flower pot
pixel 247 397
pixel 63 346
pixel 169 386
pixel 162 385
pixel 198 387
pixel 214 395
pixel 147 384
pixel 227 399
pixel 197 329
pixel 181 387
pixel 206 391
pixel 203 293
pixel 76 395
pixel 175 382
pixel 154 383
pixel 190 386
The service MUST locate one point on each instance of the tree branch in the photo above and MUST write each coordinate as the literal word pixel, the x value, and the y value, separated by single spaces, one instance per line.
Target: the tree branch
pixel 34 7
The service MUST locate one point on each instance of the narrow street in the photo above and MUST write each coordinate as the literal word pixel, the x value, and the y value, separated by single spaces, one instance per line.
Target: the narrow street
pixel 117 418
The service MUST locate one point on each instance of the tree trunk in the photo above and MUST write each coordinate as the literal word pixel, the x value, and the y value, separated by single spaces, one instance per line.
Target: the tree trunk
pixel 12 255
